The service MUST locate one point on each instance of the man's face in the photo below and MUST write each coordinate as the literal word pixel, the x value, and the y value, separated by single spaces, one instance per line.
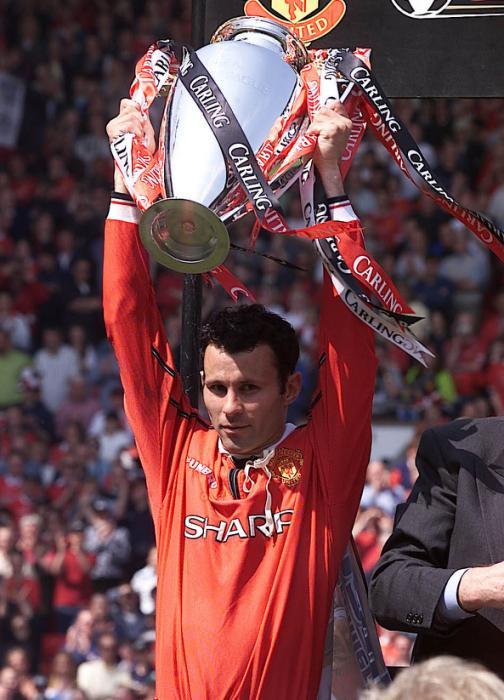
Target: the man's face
pixel 52 340
pixel 6 538
pixel 107 647
pixel 15 465
pixel 376 475
pixel 244 400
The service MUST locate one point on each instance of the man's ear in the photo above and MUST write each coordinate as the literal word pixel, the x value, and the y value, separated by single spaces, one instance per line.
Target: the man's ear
pixel 292 388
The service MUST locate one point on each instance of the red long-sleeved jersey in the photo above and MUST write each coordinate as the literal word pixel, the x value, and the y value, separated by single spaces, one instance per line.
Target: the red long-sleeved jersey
pixel 240 614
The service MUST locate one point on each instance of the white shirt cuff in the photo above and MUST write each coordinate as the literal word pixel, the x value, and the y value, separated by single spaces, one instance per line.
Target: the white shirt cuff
pixel 448 609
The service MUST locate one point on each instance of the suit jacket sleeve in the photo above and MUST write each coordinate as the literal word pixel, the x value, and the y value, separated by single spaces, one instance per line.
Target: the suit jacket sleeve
pixel 412 572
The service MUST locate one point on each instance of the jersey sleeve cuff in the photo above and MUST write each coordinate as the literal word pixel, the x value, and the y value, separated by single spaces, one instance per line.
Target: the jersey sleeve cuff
pixel 122 195
pixel 340 209
pixel 123 208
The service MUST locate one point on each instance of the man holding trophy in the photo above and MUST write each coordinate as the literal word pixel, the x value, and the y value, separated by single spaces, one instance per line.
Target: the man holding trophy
pixel 252 515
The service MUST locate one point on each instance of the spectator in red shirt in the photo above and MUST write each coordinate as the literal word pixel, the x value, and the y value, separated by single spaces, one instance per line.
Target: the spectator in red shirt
pixel 78 407
pixel 22 183
pixel 397 651
pixel 31 549
pixel 494 375
pixel 70 565
pixel 465 354
pixel 60 182
pixel 22 588
pixel 493 326
pixel 12 496
pixel 65 489
pixel 371 530
pixel 16 433
pixel 74 436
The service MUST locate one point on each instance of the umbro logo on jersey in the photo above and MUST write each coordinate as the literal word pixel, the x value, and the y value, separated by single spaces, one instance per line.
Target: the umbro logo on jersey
pixel 195 464
pixel 197 527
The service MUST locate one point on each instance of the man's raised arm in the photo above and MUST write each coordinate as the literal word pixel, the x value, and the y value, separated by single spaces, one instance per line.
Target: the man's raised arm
pixel 341 413
pixel 153 397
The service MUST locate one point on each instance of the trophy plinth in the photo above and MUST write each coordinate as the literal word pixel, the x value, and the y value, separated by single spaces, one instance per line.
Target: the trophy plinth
pixel 184 235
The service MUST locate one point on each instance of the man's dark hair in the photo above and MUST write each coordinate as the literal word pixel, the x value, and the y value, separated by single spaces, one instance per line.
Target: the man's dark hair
pixel 242 328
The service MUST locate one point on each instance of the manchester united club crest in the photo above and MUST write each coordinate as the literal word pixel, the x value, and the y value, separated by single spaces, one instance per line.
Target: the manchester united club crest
pixel 309 19
pixel 286 466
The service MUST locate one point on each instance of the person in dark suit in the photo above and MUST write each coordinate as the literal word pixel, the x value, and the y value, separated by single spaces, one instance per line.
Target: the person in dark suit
pixel 441 573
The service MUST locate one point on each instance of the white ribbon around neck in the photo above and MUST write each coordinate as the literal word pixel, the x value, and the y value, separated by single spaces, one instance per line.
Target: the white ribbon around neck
pixel 262 464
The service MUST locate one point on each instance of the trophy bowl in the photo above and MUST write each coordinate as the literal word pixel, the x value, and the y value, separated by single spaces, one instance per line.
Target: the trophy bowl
pixel 255 64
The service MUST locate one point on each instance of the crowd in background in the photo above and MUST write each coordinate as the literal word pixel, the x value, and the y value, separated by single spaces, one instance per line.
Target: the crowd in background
pixel 77 557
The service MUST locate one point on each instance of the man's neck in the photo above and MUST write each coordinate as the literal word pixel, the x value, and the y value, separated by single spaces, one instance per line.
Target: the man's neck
pixel 260 452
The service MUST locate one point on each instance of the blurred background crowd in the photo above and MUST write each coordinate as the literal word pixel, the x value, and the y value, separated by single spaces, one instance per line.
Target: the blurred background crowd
pixel 77 557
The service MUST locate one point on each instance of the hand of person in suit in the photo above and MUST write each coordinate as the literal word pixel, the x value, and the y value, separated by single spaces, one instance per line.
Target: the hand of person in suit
pixel 482 587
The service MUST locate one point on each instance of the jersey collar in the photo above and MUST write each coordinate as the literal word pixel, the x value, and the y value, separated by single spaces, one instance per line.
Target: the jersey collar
pixel 289 427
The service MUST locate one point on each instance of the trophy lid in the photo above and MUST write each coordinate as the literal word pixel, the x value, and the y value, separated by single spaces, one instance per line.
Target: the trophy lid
pixel 266 33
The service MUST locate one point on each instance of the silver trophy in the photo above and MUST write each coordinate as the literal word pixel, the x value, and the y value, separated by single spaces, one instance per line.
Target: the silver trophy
pixel 255 63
